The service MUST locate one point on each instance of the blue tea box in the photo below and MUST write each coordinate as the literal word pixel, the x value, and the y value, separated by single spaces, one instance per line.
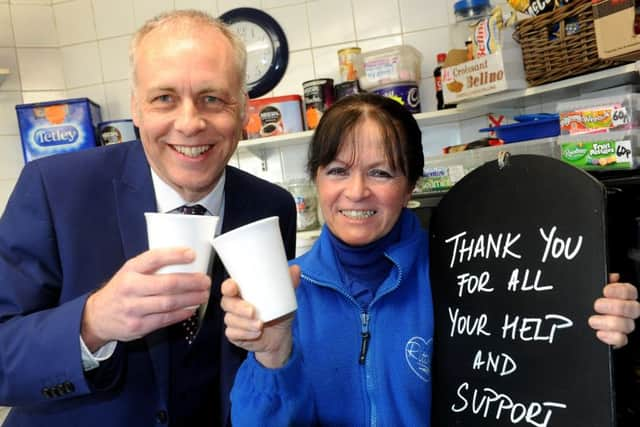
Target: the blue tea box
pixel 54 127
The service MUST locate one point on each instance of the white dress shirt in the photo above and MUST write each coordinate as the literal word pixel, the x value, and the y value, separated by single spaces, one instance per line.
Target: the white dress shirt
pixel 167 200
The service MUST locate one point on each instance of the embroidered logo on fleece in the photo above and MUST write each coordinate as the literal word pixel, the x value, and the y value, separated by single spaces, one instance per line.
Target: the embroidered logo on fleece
pixel 418 355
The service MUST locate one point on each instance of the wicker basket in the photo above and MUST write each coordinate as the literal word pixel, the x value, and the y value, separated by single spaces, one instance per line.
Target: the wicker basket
pixel 549 54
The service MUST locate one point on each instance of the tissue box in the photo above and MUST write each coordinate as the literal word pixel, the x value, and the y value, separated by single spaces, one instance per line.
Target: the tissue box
pixel 54 127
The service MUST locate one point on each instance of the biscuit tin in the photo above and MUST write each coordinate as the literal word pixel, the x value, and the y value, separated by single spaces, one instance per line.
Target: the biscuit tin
pixel 406 93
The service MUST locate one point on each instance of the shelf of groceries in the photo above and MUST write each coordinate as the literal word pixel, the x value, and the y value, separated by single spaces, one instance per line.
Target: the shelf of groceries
pixel 512 99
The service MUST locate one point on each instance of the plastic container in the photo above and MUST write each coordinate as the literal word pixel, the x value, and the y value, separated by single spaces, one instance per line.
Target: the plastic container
pixel 304 194
pixel 529 126
pixel 601 151
pixel 447 169
pixel 467 13
pixel 599 114
pixel 390 65
pixel 54 127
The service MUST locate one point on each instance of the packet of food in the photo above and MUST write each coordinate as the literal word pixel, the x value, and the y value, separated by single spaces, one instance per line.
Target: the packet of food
pixel 487 34
pixel 536 7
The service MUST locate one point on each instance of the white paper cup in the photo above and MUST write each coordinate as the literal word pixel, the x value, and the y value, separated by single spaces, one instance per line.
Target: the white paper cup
pixel 166 230
pixel 255 258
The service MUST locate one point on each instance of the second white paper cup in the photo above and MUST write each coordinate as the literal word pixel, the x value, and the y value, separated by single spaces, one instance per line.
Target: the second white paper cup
pixel 255 258
pixel 166 230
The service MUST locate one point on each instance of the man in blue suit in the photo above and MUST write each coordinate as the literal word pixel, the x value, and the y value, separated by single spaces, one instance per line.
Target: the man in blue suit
pixel 86 327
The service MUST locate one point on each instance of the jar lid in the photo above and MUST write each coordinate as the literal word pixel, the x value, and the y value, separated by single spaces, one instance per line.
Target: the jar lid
pixel 461 7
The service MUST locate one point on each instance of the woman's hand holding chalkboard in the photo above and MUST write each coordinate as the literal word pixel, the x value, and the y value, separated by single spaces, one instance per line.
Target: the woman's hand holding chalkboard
pixel 617 312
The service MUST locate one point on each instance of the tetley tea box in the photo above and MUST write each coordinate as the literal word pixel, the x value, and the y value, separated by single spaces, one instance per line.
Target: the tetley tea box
pixel 54 127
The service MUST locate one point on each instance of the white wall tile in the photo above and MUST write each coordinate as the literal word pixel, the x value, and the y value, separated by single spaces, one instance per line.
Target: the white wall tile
pixel 469 129
pixel 435 138
pixel 424 42
pixel 428 100
pixel 267 4
pixel 208 6
pixel 40 69
pixel 31 97
pixel 41 2
pixel 6 28
pixel 226 5
pixel 113 17
pixel 11 160
pixel 114 57
pixel 327 25
pixel 94 93
pixel 74 21
pixel 418 15
pixel 81 65
pixel 146 9
pixel 293 20
pixel 8 117
pixel 118 100
pixel 376 18
pixel 381 43
pixel 300 69
pixel 34 25
pixel 254 165
pixel 9 60
pixel 326 62
pixel 294 162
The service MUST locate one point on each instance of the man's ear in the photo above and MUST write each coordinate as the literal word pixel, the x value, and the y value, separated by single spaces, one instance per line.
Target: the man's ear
pixel 134 109
pixel 245 112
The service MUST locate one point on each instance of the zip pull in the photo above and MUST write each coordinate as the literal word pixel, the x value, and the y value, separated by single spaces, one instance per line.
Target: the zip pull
pixel 364 346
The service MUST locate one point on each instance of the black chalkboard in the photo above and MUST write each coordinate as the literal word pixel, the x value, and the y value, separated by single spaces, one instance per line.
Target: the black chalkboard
pixel 518 256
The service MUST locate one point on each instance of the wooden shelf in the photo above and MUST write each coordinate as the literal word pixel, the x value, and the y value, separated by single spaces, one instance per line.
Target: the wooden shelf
pixel 521 98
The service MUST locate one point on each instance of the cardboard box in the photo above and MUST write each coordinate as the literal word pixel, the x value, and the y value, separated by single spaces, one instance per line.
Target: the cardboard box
pixel 54 127
pixel 493 73
pixel 614 28
pixel 274 116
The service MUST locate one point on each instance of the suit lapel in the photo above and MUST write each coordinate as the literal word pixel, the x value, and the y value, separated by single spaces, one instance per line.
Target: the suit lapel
pixel 134 196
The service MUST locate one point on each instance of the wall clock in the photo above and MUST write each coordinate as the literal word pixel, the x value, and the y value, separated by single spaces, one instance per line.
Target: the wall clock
pixel 267 48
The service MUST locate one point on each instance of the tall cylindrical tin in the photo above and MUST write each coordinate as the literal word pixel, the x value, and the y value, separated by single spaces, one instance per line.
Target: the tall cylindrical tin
pixel 350 60
pixel 318 97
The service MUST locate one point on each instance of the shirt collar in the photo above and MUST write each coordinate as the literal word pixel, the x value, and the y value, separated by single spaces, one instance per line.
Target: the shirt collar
pixel 168 199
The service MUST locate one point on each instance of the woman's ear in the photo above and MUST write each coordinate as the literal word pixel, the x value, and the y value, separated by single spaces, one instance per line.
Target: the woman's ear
pixel 408 196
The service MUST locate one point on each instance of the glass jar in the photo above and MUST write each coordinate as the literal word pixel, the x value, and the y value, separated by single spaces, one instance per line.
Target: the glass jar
pixel 304 194
pixel 468 13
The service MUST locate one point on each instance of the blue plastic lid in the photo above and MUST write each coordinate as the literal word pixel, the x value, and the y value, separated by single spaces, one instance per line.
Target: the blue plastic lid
pixel 463 5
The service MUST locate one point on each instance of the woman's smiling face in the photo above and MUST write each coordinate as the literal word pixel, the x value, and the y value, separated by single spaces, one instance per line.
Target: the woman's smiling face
pixel 360 194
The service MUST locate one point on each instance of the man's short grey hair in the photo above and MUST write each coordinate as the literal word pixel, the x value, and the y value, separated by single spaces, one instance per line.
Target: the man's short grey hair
pixel 186 19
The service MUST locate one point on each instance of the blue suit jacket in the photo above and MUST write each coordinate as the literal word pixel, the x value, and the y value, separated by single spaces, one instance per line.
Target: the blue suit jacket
pixel 70 224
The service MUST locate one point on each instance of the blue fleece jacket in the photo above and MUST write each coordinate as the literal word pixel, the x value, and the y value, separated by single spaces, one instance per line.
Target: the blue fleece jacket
pixel 329 379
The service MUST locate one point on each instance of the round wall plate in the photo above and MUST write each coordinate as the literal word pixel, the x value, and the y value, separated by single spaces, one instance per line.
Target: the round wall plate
pixel 267 47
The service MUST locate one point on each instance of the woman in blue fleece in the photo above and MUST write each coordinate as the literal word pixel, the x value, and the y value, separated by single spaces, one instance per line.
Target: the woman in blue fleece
pixel 358 351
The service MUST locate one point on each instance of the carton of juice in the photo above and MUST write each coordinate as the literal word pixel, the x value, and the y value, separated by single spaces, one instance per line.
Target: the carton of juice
pixel 54 127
